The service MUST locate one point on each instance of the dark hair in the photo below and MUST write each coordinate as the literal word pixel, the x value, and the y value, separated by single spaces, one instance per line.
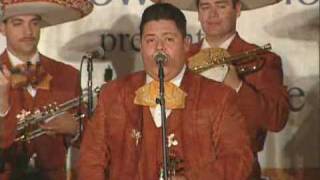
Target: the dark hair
pixel 164 11
pixel 234 2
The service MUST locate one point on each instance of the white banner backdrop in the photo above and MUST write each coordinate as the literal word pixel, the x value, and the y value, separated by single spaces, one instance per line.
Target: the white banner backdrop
pixel 292 27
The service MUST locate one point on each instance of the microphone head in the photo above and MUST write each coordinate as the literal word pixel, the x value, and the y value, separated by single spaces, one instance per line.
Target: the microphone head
pixel 160 57
pixel 96 53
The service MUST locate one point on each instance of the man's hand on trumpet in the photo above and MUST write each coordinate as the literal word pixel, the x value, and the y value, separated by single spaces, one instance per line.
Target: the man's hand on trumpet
pixel 232 79
pixel 63 124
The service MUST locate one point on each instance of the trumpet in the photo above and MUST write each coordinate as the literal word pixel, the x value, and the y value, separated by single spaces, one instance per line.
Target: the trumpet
pixel 28 122
pixel 208 58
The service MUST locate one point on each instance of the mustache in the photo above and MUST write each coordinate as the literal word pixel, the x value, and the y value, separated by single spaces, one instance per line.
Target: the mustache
pixel 28 38
pixel 213 22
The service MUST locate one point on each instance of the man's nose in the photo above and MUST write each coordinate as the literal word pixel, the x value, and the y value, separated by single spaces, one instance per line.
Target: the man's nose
pixel 28 29
pixel 160 44
pixel 213 12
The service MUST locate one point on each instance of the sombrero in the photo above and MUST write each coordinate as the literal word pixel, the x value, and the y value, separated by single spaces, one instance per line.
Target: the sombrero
pixel 52 12
pixel 191 5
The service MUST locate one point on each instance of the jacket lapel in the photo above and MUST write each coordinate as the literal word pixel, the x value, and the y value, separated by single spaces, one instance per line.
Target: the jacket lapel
pixel 238 45
pixel 134 125
pixel 194 49
pixel 5 59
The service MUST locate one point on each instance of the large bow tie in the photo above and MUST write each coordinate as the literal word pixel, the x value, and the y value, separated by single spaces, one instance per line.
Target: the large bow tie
pixel 147 95
pixel 30 74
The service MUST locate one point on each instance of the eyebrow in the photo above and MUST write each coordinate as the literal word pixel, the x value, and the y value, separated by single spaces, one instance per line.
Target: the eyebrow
pixel 170 33
pixel 221 2
pixel 216 2
pixel 148 35
pixel 165 34
pixel 36 18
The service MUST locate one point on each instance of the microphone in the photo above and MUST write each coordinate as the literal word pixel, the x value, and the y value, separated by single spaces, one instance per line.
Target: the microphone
pixel 97 53
pixel 160 57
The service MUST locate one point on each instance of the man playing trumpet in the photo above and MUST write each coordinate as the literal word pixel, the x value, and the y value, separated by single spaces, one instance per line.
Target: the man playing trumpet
pixel 58 82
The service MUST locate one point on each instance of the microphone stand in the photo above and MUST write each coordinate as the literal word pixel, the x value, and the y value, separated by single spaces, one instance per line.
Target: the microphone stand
pixel 161 100
pixel 89 86
pixel 89 58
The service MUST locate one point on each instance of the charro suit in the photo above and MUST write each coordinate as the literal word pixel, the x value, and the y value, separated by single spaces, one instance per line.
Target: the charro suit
pixel 50 151
pixel 262 99
pixel 211 138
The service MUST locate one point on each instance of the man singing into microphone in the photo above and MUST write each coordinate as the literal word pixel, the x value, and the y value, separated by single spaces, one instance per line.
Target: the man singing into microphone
pixel 206 135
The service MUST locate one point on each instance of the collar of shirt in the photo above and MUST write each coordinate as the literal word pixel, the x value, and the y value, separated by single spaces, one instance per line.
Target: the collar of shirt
pixel 176 80
pixel 223 45
pixel 14 60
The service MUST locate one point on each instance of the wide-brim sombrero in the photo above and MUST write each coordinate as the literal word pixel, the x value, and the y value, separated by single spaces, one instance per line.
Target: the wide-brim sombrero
pixel 191 5
pixel 52 12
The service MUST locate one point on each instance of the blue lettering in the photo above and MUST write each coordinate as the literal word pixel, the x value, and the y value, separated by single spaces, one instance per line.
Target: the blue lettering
pixel 109 42
pixel 125 2
pixel 304 2
pixel 126 42
pixel 98 3
pixel 106 2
